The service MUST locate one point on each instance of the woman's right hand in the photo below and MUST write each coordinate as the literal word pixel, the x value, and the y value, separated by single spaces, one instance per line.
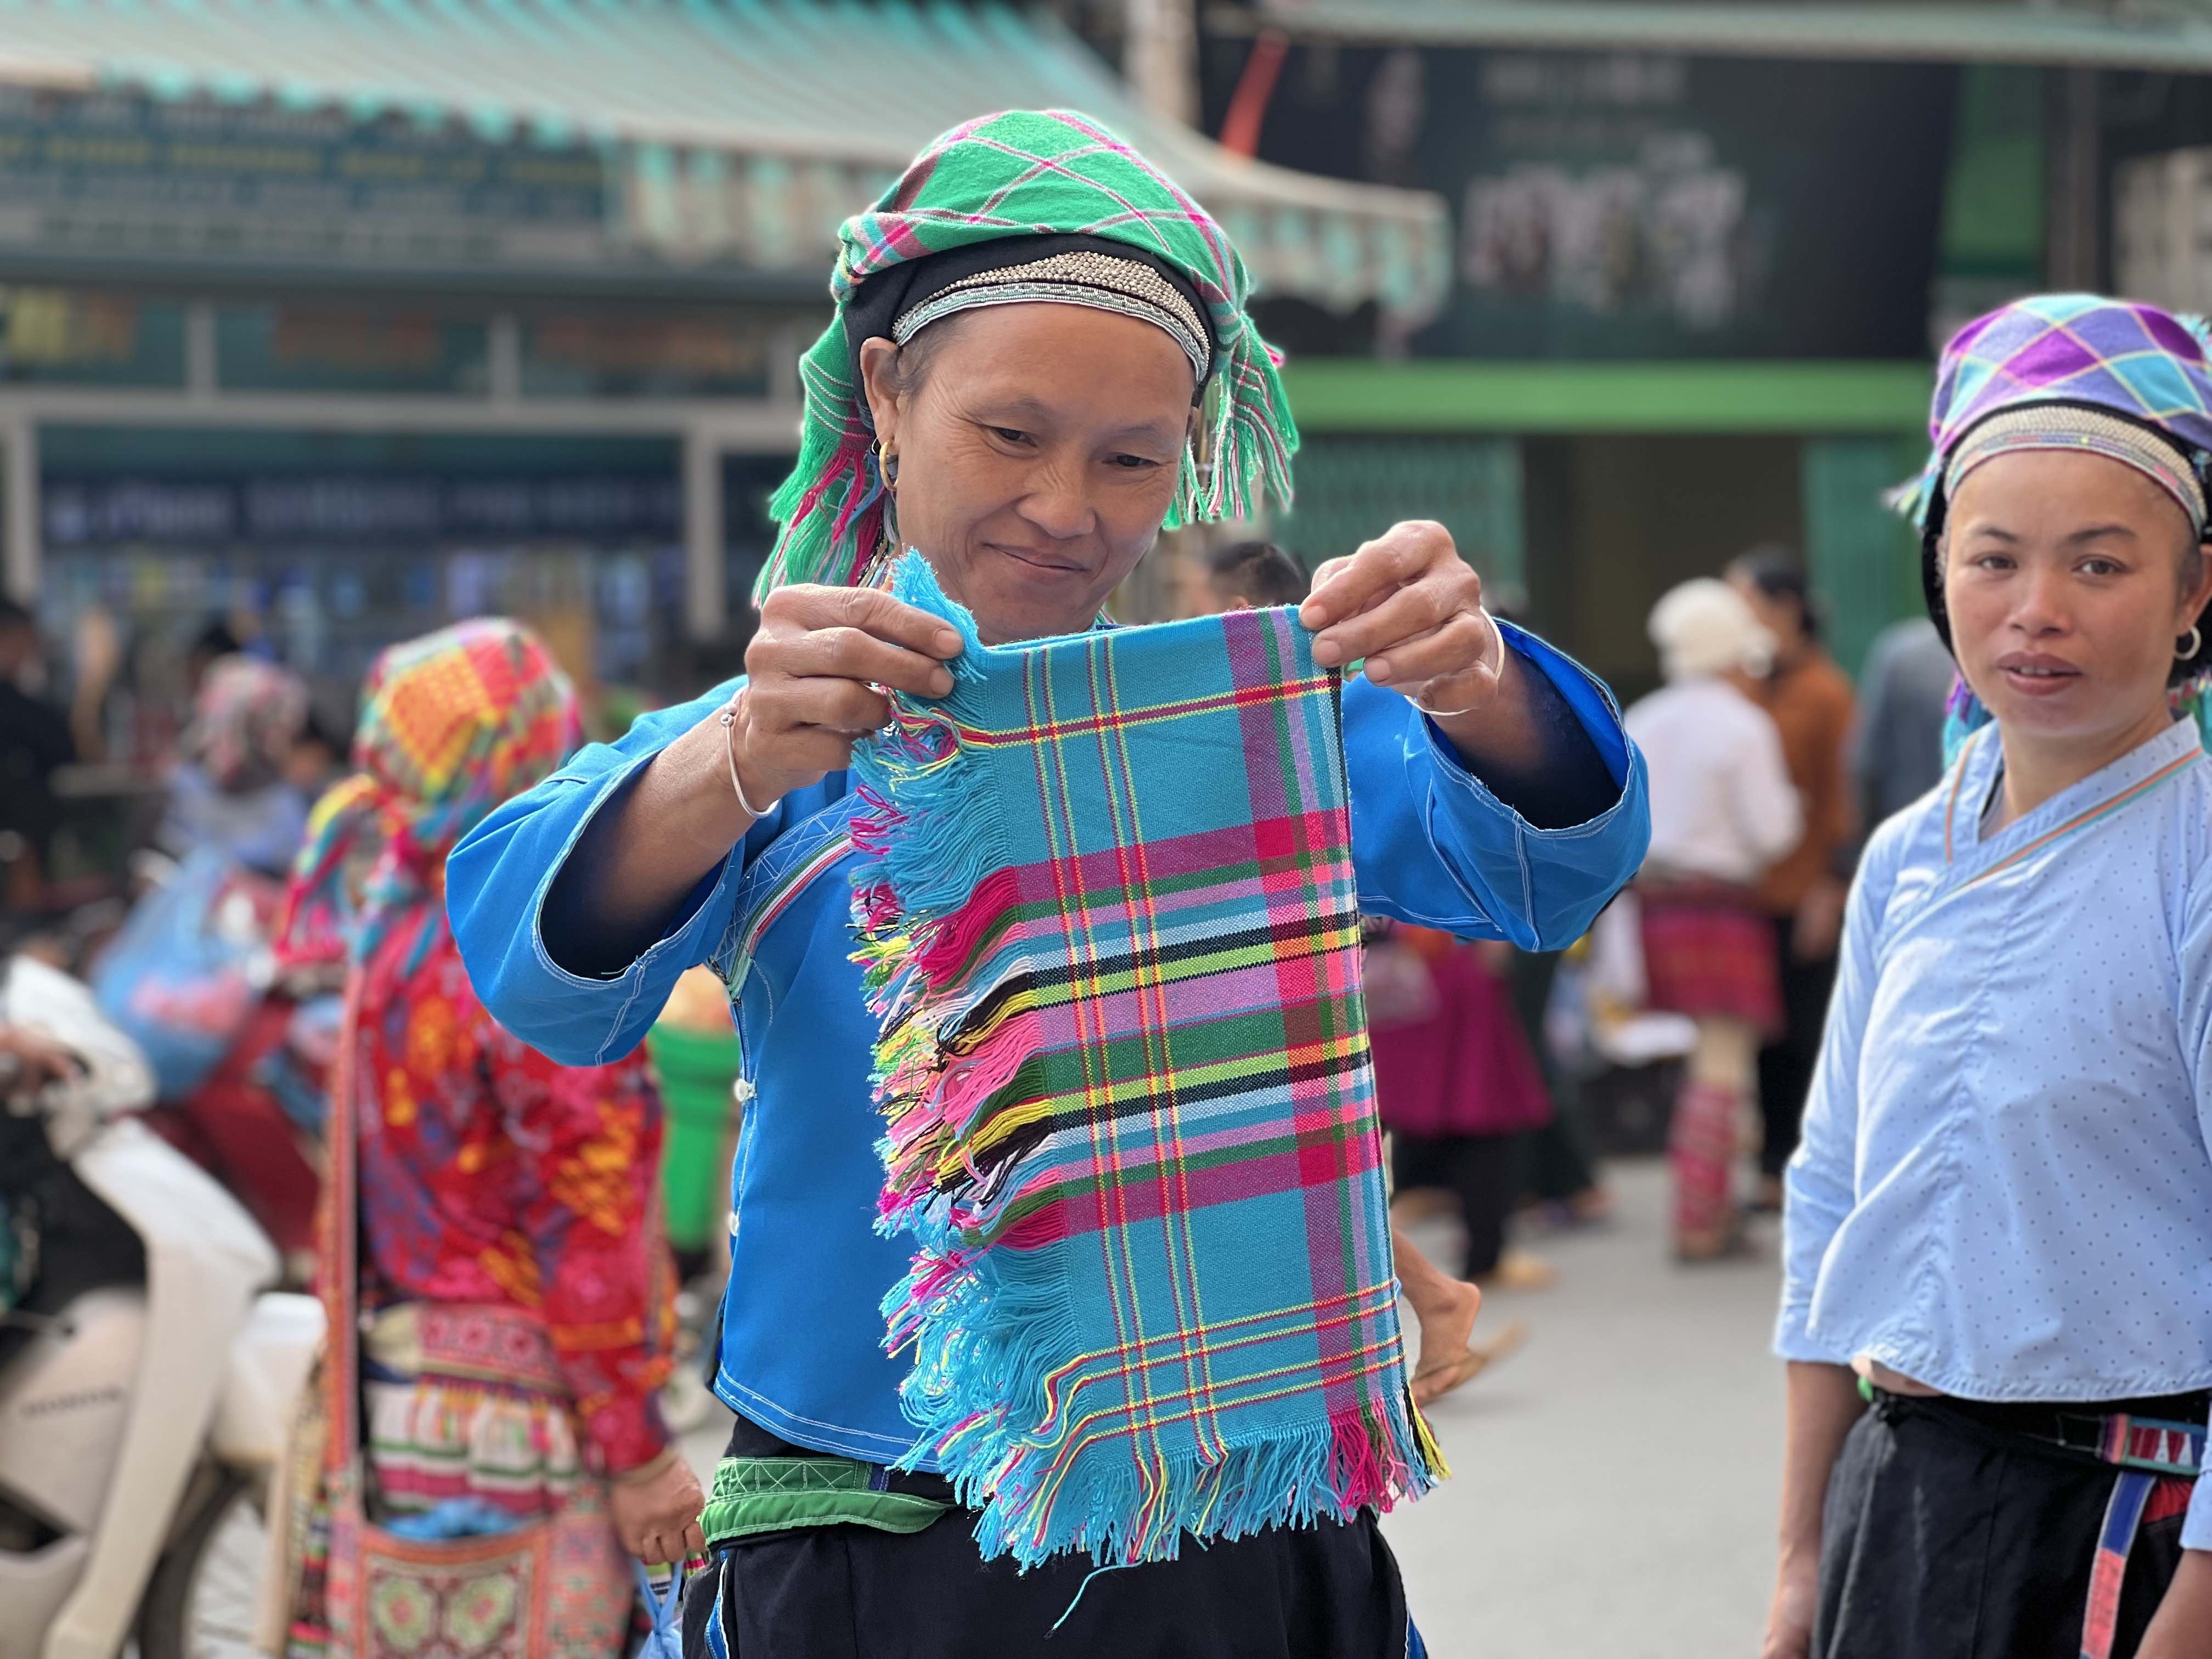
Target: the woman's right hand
pixel 814 671
pixel 1789 1617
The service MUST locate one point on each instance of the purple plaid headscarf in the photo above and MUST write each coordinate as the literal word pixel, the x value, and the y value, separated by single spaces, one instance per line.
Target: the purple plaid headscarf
pixel 2141 364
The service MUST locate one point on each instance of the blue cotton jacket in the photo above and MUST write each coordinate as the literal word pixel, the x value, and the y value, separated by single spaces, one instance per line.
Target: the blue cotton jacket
pixel 801 1350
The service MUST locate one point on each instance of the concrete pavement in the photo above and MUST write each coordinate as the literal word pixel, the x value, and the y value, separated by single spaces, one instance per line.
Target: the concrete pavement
pixel 1614 1481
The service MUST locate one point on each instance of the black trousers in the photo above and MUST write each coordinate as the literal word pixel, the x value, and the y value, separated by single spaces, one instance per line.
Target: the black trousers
pixel 1329 1591
pixel 1482 1171
pixel 1785 1065
pixel 1555 1163
pixel 1945 1539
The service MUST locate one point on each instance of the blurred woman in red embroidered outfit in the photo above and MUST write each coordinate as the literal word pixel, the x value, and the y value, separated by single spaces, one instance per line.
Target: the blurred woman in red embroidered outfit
pixel 517 1286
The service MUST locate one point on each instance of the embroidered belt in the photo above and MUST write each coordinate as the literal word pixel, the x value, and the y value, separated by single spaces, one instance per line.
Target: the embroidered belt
pixel 2149 1452
pixel 480 1342
pixel 753 1496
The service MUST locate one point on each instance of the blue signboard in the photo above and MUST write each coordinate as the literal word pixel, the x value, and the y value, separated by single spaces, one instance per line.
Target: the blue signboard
pixel 128 178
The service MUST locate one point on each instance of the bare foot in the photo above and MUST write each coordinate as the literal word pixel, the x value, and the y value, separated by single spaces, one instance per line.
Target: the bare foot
pixel 1725 1243
pixel 1517 1270
pixel 1448 1358
pixel 1591 1206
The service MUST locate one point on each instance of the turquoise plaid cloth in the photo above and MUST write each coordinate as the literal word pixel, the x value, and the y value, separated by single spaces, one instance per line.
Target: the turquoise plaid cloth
pixel 1110 924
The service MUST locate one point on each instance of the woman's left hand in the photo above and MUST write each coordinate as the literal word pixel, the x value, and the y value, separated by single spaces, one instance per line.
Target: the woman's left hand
pixel 1413 607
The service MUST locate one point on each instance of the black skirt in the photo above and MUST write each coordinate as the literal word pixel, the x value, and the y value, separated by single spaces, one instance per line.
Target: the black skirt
pixel 1329 1591
pixel 1950 1534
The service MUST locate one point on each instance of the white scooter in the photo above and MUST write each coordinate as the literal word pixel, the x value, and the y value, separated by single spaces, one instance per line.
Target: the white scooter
pixel 148 1380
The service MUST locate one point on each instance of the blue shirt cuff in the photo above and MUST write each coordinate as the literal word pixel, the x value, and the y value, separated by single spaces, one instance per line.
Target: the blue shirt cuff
pixel 1794 1339
pixel 568 946
pixel 1574 779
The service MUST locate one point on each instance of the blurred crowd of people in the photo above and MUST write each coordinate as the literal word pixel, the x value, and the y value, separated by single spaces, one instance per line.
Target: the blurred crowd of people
pixel 1767 769
pixel 508 1206
pixel 1763 771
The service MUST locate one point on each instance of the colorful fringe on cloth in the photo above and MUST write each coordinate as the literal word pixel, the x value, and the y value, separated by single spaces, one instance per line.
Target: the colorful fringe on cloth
pixel 1025 172
pixel 1108 919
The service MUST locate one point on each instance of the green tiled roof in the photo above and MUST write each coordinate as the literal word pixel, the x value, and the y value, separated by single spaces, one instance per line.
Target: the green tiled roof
pixel 2103 37
pixel 734 132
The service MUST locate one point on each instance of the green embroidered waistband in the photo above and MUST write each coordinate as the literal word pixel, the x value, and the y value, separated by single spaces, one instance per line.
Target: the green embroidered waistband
pixel 756 1495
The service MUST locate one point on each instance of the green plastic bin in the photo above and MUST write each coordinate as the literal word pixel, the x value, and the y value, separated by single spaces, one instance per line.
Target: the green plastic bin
pixel 698 1071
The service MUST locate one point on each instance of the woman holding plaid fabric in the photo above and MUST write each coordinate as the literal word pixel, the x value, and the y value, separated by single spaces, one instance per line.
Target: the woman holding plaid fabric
pixel 1998 1225
pixel 1037 333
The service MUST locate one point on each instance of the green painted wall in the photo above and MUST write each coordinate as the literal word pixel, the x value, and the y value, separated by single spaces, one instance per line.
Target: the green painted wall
pixel 1351 488
pixel 1347 394
pixel 1862 558
pixel 1993 190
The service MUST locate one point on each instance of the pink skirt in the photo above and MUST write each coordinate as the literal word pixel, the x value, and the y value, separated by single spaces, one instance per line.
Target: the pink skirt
pixel 1466 1070
pixel 1710 956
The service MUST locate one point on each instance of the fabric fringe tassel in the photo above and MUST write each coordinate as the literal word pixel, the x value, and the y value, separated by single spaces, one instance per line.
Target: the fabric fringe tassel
pixel 822 539
pixel 985 1307
pixel 993 1336
pixel 2192 701
pixel 1965 714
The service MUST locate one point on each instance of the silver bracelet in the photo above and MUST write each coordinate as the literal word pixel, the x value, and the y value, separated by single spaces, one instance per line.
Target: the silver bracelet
pixel 1453 713
pixel 1440 713
pixel 729 719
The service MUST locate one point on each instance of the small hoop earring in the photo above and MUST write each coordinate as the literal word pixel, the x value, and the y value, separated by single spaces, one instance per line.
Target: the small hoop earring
pixel 2194 644
pixel 887 467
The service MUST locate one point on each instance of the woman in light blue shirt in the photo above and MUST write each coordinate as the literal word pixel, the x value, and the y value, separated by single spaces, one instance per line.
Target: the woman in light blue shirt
pixel 1999 1224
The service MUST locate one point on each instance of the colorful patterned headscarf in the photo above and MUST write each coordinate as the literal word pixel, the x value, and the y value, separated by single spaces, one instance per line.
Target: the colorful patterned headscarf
pixel 246 718
pixel 452 725
pixel 2075 371
pixel 1008 178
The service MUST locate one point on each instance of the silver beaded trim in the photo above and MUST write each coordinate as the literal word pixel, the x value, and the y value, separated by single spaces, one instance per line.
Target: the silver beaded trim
pixel 2067 426
pixel 1097 280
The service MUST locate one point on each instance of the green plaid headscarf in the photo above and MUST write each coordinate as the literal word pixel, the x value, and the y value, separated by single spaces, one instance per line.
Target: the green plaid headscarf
pixel 1026 172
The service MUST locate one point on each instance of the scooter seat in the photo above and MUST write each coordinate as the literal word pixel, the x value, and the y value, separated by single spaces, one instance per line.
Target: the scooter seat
pixel 268 1365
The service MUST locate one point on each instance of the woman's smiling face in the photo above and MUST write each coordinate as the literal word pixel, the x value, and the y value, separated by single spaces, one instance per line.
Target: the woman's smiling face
pixel 1038 449
pixel 2068 577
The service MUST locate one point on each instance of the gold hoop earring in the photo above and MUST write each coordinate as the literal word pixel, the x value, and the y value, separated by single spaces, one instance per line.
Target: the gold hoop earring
pixel 2194 644
pixel 887 467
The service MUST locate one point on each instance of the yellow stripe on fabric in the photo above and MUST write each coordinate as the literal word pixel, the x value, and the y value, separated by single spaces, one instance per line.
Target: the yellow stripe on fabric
pixel 1056 730
pixel 1380 1356
pixel 1120 1278
pixel 1113 1092
pixel 1174 1217
pixel 1304 1312
pixel 1144 975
